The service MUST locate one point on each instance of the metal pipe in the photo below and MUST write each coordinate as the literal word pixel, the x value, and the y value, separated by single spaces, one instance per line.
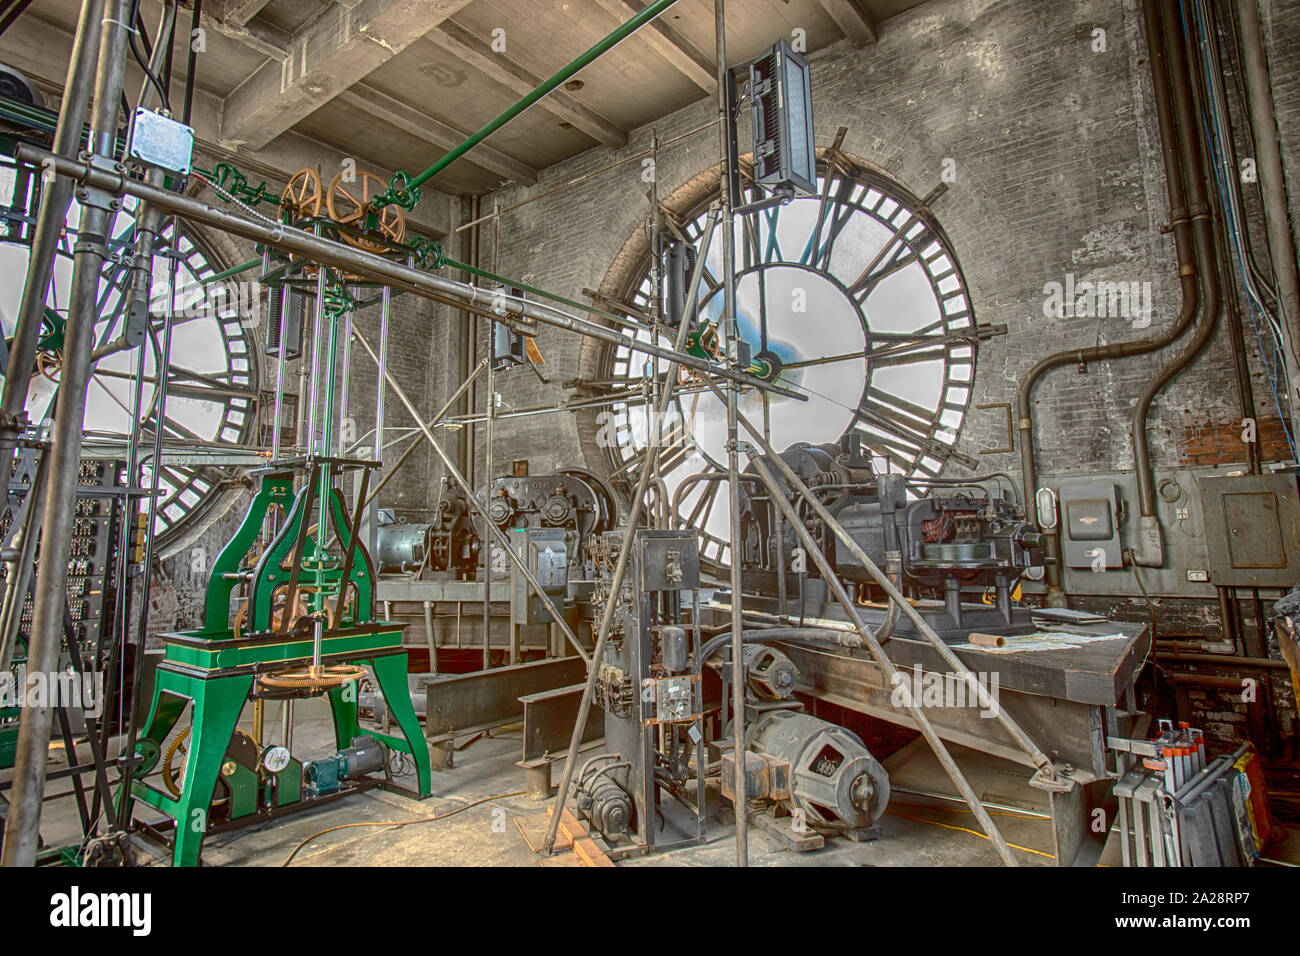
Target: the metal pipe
pixel 148 217
pixel 429 638
pixel 146 576
pixel 385 310
pixel 490 415
pixel 374 267
pixel 22 830
pixel 319 310
pixel 882 659
pixel 469 324
pixel 344 379
pixel 278 410
pixel 50 219
pixel 1149 548
pixel 1272 185
pixel 474 503
pixel 608 43
pixel 728 321
pixel 620 569
pixel 191 61
pixel 1178 220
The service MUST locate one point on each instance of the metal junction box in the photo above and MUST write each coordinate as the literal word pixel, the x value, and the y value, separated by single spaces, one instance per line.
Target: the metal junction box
pixel 670 560
pixel 546 555
pixel 1089 516
pixel 1252 530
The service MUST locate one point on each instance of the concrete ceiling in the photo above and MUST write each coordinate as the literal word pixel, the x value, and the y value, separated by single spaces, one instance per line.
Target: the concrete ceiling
pixel 394 84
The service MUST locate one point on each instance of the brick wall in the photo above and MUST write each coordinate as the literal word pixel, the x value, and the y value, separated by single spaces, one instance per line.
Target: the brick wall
pixel 1058 171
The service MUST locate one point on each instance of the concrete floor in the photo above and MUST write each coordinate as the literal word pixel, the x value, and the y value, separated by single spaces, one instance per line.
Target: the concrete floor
pixel 485 834
pixel 915 831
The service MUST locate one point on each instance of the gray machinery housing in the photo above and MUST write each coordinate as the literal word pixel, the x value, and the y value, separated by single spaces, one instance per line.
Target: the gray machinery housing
pixel 956 537
pixel 654 728
pixel 564 508
pixel 834 780
pixel 651 687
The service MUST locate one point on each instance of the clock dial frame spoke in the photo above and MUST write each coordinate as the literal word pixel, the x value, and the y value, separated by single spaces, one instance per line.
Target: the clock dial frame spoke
pixel 867 244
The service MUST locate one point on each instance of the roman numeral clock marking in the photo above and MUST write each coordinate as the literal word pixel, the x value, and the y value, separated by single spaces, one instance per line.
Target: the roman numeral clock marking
pixel 859 292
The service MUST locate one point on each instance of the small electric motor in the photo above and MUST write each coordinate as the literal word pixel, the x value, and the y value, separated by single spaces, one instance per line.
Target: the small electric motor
pixel 834 779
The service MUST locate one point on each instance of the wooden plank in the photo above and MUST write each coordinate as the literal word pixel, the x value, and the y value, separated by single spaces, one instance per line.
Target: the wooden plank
pixel 533 829
pixel 590 854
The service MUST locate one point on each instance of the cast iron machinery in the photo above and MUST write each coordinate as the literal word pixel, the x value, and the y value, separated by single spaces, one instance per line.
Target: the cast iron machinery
pixel 305 623
pixel 959 535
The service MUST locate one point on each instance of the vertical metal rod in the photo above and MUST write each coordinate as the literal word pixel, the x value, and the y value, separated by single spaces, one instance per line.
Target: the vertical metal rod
pixel 315 356
pixel 385 306
pixel 487 454
pixel 728 321
pixel 649 467
pixel 279 366
pixel 22 830
pixel 344 383
pixel 286 725
pixel 891 674
pixel 56 192
pixel 1281 245
pixel 429 637
pixel 146 574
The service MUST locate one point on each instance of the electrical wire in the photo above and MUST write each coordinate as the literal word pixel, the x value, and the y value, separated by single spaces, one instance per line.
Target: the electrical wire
pixel 134 29
pixel 399 823
pixel 982 836
pixel 1218 141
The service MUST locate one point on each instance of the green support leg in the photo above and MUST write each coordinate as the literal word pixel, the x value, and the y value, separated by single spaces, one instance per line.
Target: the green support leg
pixel 390 675
pixel 343 705
pixel 217 706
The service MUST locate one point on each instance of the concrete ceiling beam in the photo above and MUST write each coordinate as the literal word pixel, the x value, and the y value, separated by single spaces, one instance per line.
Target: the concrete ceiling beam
pixel 336 50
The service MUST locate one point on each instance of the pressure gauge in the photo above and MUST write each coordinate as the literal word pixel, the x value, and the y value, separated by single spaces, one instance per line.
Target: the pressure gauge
pixel 275 759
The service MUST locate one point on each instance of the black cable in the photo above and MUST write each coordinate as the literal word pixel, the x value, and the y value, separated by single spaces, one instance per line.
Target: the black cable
pixel 132 31
pixel 191 62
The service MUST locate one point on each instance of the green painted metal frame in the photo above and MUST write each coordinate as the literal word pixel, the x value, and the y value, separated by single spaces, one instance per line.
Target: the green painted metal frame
pixel 215 673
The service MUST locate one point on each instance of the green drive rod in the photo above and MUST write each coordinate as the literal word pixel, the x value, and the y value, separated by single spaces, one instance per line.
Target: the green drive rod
pixel 611 41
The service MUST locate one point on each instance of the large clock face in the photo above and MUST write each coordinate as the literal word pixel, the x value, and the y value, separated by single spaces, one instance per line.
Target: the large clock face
pixel 859 294
pixel 212 381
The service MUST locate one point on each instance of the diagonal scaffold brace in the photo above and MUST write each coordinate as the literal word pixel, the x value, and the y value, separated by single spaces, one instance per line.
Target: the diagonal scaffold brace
pixel 1046 777
pixel 873 646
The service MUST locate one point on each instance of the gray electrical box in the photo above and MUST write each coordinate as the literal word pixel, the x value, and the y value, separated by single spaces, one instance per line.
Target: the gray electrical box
pixel 546 554
pixel 161 141
pixel 1252 530
pixel 1089 521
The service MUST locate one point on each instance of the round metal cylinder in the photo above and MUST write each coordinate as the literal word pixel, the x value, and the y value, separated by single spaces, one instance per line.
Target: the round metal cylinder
pixel 833 777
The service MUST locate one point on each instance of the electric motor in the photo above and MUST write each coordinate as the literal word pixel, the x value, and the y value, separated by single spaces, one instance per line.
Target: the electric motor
pixel 834 779
pixel 769 674
pixel 365 755
pixel 606 805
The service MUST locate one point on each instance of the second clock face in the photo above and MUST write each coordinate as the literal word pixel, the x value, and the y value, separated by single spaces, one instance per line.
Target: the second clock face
pixel 858 293
pixel 212 373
